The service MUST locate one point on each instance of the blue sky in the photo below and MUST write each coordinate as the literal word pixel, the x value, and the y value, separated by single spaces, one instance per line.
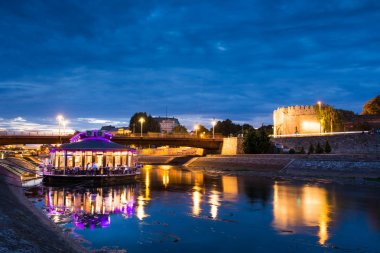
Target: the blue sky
pixel 98 62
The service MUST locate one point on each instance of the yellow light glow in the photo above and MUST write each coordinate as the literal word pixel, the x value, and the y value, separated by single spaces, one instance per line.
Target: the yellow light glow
pixel 214 203
pixel 213 123
pixel 196 127
pixel 140 208
pixel 310 126
pixel 141 120
pixel 196 203
pixel 294 208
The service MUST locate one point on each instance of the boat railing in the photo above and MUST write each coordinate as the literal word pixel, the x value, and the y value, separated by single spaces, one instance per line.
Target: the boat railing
pixel 92 172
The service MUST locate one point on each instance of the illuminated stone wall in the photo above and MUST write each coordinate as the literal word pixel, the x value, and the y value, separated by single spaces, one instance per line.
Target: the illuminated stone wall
pixel 232 146
pixel 292 119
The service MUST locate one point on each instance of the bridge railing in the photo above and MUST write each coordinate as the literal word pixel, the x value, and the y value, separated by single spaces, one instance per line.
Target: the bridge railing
pixel 171 136
pixel 34 133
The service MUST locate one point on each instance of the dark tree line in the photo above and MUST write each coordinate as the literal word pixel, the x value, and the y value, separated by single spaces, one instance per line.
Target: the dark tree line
pixel 149 124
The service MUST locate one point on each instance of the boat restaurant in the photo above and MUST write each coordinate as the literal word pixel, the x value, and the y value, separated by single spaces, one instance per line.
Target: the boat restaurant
pixel 90 148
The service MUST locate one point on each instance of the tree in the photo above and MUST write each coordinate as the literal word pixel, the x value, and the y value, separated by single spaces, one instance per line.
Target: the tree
pixel 327 147
pixel 227 128
pixel 372 106
pixel 328 116
pixel 256 142
pixel 149 124
pixel 318 149
pixel 311 149
pixel 180 129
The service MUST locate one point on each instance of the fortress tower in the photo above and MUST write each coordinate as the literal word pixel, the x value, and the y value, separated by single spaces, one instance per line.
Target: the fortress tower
pixel 296 120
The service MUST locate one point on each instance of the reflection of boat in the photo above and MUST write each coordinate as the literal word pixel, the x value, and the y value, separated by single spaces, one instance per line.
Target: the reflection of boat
pixel 91 157
pixel 92 207
pixel 84 220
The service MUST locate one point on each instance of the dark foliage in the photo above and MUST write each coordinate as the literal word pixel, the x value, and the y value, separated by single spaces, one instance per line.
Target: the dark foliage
pixel 327 147
pixel 256 142
pixel 311 149
pixel 150 124
pixel 318 149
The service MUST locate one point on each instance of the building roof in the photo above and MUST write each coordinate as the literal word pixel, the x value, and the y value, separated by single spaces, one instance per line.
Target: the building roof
pixel 95 145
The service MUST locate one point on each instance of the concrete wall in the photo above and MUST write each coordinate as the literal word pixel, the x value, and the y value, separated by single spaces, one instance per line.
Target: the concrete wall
pixel 181 151
pixel 288 120
pixel 232 146
pixel 340 144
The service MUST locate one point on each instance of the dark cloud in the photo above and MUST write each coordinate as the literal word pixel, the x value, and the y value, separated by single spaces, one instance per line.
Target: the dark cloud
pixel 200 59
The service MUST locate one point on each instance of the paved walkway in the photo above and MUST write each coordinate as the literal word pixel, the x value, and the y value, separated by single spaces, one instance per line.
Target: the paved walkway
pixel 23 228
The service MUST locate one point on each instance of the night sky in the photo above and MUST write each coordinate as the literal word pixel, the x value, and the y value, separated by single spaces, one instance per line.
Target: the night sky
pixel 98 62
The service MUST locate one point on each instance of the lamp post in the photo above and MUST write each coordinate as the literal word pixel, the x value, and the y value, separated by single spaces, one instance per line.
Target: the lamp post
pixel 196 127
pixel 60 119
pixel 141 120
pixel 213 123
pixel 320 120
pixel 64 123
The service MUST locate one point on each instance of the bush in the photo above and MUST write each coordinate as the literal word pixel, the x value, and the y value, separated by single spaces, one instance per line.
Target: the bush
pixel 292 151
pixel 302 150
pixel 318 149
pixel 327 147
pixel 311 149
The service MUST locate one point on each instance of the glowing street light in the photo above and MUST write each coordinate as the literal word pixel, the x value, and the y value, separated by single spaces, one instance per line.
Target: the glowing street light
pixel 213 123
pixel 64 123
pixel 60 120
pixel 141 120
pixel 196 127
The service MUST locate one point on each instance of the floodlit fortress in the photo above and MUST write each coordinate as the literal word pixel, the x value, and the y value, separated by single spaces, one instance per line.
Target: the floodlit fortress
pixel 295 120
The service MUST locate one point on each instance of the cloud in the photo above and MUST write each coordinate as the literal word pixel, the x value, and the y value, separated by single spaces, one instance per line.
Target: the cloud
pixel 101 65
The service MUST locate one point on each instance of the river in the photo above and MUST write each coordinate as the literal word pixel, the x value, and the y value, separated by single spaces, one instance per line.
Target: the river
pixel 175 210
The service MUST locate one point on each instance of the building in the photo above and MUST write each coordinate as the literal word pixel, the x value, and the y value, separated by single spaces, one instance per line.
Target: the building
pixel 296 120
pixel 167 124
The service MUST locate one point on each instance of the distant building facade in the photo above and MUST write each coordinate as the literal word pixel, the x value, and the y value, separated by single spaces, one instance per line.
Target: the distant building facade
pixel 296 120
pixel 167 124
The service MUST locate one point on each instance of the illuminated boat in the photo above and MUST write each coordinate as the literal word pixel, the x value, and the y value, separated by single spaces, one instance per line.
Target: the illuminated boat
pixel 91 156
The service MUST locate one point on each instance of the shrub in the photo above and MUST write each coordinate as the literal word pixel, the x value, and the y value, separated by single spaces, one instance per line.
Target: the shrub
pixel 318 149
pixel 302 151
pixel 292 151
pixel 327 147
pixel 311 149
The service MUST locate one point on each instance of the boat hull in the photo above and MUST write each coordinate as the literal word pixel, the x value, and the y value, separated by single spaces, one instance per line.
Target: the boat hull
pixel 89 179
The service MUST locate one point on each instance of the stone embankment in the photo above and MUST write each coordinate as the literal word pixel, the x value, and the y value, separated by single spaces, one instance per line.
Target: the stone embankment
pixel 24 228
pixel 353 167
pixel 340 144
pixel 326 166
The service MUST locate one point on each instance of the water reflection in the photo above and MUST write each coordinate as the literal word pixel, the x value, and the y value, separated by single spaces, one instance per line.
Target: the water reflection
pixel 167 201
pixel 89 207
pixel 297 207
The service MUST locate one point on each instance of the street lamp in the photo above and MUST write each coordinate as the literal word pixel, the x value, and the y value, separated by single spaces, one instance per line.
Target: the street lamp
pixel 141 120
pixel 196 127
pixel 60 119
pixel 64 123
pixel 213 123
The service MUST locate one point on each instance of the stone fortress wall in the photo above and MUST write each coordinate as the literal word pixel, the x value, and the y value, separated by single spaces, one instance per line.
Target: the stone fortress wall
pixel 295 119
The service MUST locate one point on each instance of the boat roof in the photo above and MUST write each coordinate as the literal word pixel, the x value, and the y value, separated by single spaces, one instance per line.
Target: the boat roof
pixel 95 145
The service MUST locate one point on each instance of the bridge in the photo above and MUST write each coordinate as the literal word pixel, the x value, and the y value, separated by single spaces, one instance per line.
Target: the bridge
pixel 41 137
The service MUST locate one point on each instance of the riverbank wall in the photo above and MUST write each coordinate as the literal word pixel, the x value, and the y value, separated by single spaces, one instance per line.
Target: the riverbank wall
pixel 353 166
pixel 24 228
pixel 340 144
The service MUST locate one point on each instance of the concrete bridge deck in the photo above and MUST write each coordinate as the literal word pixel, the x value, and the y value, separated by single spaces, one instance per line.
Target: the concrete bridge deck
pixel 145 140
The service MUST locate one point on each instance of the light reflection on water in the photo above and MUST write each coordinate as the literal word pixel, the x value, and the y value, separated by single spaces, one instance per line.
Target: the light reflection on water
pixel 173 209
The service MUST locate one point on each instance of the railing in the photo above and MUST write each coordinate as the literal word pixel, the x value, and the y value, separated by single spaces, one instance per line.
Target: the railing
pixel 171 136
pixel 34 133
pixel 135 135
pixel 320 134
pixel 98 172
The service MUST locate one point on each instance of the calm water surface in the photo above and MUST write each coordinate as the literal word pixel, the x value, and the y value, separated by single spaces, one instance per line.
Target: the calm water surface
pixel 174 210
